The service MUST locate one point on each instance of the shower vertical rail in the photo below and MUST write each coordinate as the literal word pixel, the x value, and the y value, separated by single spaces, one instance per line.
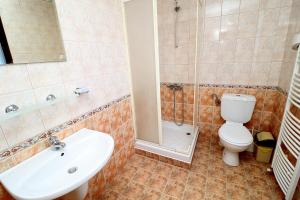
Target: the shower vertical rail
pixel 287 174
pixel 177 8
pixel 197 63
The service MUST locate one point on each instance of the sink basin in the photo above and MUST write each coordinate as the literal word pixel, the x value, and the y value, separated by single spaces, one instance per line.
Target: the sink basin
pixel 51 174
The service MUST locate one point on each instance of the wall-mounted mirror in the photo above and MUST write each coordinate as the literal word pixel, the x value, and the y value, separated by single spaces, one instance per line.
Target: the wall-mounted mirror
pixel 29 32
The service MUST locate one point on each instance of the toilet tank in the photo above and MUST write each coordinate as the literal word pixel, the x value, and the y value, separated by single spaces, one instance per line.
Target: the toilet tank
pixel 237 107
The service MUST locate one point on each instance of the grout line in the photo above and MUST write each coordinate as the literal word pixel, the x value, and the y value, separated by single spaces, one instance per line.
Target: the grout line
pixel 35 98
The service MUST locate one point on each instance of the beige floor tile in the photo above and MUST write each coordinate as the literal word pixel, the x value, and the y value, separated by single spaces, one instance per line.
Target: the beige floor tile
pixel 257 183
pixel 196 180
pixel 157 182
pixel 128 171
pixel 255 170
pixel 110 195
pixel 124 198
pixel 141 176
pixel 203 149
pixel 136 160
pixel 217 172
pixel 236 192
pixel 163 169
pixel 200 159
pixel 215 187
pixel 167 197
pixel 216 154
pixel 216 162
pixel 179 174
pixel 200 169
pixel 133 191
pixel 175 189
pixel 150 194
pixel 209 178
pixel 277 193
pixel 215 197
pixel 148 164
pixel 191 193
pixel 236 179
pixel 119 184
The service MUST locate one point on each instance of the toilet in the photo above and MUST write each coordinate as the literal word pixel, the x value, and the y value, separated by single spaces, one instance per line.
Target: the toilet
pixel 236 109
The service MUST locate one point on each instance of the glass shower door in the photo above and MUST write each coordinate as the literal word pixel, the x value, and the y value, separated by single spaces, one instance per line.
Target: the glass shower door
pixel 142 45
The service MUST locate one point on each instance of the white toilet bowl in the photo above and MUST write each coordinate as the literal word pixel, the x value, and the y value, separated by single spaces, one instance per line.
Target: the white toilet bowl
pixel 236 109
pixel 235 138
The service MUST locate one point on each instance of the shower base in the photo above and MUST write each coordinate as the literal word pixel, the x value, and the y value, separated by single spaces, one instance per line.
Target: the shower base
pixel 178 142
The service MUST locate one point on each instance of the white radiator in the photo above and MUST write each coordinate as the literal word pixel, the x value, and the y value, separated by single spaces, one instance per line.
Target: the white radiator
pixel 286 161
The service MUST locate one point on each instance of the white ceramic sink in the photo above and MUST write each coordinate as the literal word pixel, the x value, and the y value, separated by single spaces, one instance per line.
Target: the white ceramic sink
pixel 45 175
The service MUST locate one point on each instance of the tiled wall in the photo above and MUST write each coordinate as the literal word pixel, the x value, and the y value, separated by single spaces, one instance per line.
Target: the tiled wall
pixel 96 58
pixel 177 64
pixel 270 104
pixel 116 120
pixel 93 37
pixel 289 54
pixel 244 41
pixel 267 115
pixel 32 31
pixel 167 100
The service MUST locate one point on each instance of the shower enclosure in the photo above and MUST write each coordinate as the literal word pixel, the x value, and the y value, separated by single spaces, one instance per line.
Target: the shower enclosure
pixel 162 36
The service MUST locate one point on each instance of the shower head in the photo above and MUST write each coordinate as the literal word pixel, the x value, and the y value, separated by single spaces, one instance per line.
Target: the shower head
pixel 177 8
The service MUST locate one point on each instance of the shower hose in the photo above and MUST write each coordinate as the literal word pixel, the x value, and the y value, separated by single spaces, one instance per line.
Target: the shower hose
pixel 174 106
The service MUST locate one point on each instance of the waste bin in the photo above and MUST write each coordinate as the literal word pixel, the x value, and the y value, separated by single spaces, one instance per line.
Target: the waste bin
pixel 264 145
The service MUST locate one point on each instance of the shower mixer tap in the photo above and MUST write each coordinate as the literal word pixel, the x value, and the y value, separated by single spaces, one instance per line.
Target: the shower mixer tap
pixel 177 8
pixel 216 99
pixel 175 86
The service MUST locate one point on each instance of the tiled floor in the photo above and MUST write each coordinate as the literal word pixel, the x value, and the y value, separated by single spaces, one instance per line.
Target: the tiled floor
pixel 209 178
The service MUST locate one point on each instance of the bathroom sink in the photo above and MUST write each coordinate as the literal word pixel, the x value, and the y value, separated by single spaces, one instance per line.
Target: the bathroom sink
pixel 51 174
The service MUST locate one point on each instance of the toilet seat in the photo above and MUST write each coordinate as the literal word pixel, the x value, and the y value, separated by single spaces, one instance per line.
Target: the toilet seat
pixel 235 134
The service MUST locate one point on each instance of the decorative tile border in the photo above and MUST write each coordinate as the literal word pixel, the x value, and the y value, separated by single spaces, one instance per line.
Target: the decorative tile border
pixel 267 115
pixel 232 86
pixel 238 86
pixel 167 83
pixel 285 93
pixel 12 150
pixel 31 141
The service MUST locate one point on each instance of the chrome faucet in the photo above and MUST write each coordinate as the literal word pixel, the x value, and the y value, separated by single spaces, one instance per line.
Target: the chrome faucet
pixel 55 143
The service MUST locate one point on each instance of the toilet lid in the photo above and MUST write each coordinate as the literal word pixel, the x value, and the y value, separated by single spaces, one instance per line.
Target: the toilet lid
pixel 235 134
